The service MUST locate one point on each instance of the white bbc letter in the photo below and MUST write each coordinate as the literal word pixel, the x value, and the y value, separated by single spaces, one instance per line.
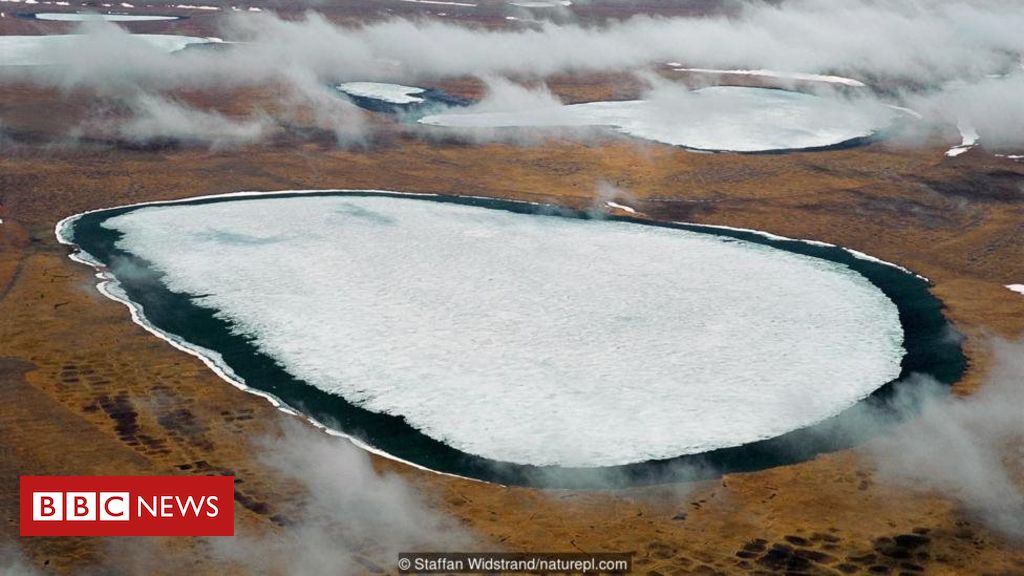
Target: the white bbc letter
pixel 114 506
pixel 80 506
pixel 47 506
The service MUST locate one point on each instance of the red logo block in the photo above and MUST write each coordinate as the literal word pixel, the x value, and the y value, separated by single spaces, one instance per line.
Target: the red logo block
pixel 127 506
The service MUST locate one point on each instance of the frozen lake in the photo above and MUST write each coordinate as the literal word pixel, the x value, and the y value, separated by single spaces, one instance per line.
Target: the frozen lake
pixel 407 101
pixel 532 339
pixel 495 340
pixel 390 93
pixel 85 16
pixel 59 48
pixel 719 118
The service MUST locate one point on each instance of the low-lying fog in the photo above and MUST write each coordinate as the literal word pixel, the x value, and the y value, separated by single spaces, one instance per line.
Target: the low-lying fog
pixel 954 62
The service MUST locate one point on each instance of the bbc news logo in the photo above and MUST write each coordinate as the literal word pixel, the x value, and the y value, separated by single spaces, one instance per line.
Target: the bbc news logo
pixel 127 506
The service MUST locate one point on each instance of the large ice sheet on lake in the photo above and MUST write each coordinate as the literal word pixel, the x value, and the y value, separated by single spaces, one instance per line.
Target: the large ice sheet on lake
pixel 532 339
pixel 727 118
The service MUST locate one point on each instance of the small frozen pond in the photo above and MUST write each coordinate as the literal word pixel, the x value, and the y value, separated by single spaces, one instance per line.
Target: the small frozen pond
pixel 398 98
pixel 391 93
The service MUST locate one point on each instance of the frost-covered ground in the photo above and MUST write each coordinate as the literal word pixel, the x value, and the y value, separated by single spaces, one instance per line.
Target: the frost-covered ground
pixel 77 17
pixel 44 50
pixel 392 93
pixel 727 118
pixel 532 339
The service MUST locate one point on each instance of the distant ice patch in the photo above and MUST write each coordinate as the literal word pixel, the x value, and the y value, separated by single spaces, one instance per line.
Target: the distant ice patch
pixel 1018 288
pixel 79 17
pixel 442 3
pixel 807 77
pixel 968 139
pixel 49 50
pixel 391 93
pixel 532 339
pixel 541 3
pixel 721 118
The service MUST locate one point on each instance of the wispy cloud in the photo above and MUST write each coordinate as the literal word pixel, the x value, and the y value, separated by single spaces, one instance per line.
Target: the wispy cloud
pixel 353 519
pixel 933 53
pixel 967 448
pixel 12 563
pixel 156 119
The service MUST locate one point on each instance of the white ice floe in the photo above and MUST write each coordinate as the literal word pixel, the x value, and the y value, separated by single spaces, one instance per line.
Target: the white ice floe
pixel 442 3
pixel 968 139
pixel 727 118
pixel 196 7
pixel 392 93
pixel 532 339
pixel 774 74
pixel 1018 288
pixel 49 50
pixel 79 17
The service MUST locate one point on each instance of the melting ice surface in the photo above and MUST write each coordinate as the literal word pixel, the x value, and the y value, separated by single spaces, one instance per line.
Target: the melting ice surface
pixel 62 48
pixel 392 93
pixel 730 118
pixel 532 339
